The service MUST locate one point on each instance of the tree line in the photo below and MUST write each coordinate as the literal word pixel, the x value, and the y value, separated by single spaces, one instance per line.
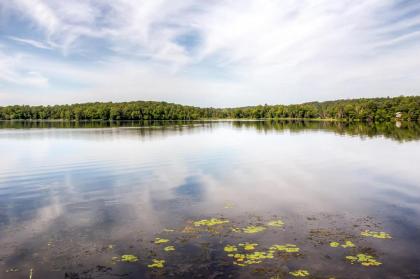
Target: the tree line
pixel 366 110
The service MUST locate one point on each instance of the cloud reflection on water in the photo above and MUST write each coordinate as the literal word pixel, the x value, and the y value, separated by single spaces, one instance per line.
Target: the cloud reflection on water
pixel 113 183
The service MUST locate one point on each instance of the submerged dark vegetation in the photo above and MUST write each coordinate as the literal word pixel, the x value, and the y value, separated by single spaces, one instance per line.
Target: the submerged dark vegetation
pixel 220 247
pixel 234 247
pixel 368 110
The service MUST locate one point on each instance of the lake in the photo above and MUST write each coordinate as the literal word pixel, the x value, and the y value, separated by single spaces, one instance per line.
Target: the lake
pixel 217 199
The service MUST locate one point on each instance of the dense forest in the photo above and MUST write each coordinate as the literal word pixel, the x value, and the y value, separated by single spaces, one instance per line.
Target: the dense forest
pixel 367 110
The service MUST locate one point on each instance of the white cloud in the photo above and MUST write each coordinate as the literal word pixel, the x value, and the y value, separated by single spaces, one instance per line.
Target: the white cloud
pixel 15 70
pixel 32 43
pixel 253 51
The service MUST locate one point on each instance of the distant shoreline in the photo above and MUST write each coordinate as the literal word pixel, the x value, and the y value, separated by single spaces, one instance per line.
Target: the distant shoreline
pixel 403 108
pixel 169 120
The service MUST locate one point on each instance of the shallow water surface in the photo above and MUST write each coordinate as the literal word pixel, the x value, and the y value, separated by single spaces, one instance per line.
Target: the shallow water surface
pixel 209 200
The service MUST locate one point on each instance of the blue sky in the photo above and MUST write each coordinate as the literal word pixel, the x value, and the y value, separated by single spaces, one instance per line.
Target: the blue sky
pixel 207 53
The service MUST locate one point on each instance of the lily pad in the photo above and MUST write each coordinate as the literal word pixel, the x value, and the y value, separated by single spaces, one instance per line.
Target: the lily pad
pixel 230 248
pixel 159 240
pixel 288 248
pixel 363 259
pixel 347 244
pixel 248 246
pixel 250 229
pixel 244 259
pixel 299 273
pixel 382 235
pixel 129 258
pixel 334 244
pixel 276 223
pixel 256 257
pixel 210 222
pixel 169 248
pixel 156 263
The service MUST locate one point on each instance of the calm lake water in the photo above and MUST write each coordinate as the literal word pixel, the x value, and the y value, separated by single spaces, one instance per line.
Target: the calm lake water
pixel 284 196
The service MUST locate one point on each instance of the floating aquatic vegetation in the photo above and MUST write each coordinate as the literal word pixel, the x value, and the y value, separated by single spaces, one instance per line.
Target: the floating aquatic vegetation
pixel 334 244
pixel 230 248
pixel 299 273
pixel 129 258
pixel 243 259
pixel 110 246
pixel 276 223
pixel 363 259
pixel 12 270
pixel 256 257
pixel 347 244
pixel 210 222
pixel 159 240
pixel 248 246
pixel 288 248
pixel 169 248
pixel 369 233
pixel 168 230
pixel 253 229
pixel 157 263
pixel 250 229
pixel 30 273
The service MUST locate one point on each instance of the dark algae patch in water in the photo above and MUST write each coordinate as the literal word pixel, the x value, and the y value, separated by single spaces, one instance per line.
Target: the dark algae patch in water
pixel 220 247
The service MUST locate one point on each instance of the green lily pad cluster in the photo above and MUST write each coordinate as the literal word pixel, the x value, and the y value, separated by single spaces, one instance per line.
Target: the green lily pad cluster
pixel 157 263
pixel 230 248
pixel 288 248
pixel 382 235
pixel 250 229
pixel 210 222
pixel 256 257
pixel 244 259
pixel 248 246
pixel 169 248
pixel 129 258
pixel 363 259
pixel 159 240
pixel 250 253
pixel 276 223
pixel 299 273
pixel 347 244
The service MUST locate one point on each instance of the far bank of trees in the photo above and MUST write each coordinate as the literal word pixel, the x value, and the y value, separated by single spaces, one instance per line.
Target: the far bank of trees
pixel 367 110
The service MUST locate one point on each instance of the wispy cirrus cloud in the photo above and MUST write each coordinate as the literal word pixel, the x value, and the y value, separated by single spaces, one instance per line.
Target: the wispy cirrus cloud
pixel 211 52
pixel 32 43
